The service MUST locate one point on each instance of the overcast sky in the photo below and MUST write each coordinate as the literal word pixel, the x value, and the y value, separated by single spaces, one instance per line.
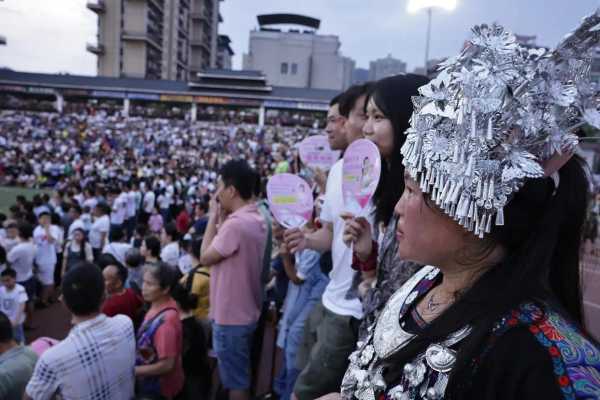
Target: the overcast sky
pixel 50 35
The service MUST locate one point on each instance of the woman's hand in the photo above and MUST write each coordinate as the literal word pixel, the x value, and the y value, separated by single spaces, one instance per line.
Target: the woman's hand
pixel 277 230
pixel 295 240
pixel 357 231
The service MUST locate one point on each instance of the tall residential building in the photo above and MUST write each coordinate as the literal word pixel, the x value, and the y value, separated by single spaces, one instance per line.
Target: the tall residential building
pixel 297 57
pixel 155 39
pixel 385 67
pixel 360 75
pixel 224 52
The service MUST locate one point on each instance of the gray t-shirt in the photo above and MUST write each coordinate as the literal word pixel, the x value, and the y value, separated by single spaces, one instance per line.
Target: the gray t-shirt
pixel 16 368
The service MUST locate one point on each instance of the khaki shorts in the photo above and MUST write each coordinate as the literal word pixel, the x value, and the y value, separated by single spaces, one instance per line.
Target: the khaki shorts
pixel 329 339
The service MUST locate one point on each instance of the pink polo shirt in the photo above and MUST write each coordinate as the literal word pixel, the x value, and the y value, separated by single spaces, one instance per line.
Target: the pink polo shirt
pixel 235 282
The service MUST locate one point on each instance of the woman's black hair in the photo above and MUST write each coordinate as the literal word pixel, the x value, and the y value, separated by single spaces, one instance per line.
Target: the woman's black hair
pixel 195 248
pixel 187 301
pixel 171 231
pixel 542 238
pixel 107 259
pixel 167 276
pixel 153 245
pixel 83 245
pixel 393 96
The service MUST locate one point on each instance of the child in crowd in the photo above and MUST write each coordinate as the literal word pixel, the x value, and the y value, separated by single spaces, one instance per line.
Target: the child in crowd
pixel 13 298
pixel 155 222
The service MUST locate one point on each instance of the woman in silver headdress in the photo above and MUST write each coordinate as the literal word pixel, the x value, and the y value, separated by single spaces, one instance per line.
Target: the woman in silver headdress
pixel 495 199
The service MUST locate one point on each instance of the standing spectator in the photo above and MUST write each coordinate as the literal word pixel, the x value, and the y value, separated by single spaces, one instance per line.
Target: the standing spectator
pixel 333 325
pixel 156 221
pixel 170 245
pixel 100 228
pixel 148 204
pixel 195 348
pixel 78 222
pixel 76 250
pixel 134 262
pixel 21 259
pixel 306 286
pixel 164 201
pixel 97 359
pixel 197 282
pixel 48 240
pixel 119 300
pixel 131 209
pixel 150 250
pixel 13 299
pixel 159 341
pixel 117 245
pixel 200 219
pixel 16 362
pixel 118 213
pixel 235 251
pixel 183 221
pixel 11 238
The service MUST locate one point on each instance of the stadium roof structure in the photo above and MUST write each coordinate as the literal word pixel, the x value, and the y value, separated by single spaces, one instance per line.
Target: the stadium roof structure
pixel 222 86
pixel 287 19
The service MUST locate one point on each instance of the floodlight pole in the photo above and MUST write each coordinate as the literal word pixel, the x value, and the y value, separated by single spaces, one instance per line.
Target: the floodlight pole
pixel 429 12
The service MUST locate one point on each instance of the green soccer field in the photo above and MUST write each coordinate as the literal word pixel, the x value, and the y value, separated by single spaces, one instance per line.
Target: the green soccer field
pixel 8 196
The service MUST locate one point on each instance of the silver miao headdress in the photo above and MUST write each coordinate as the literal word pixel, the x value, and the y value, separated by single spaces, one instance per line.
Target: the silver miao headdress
pixel 495 116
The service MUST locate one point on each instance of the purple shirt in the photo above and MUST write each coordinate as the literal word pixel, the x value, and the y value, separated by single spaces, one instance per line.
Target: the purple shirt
pixel 235 282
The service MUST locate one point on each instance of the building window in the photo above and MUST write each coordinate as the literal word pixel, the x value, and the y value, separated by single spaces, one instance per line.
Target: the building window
pixel 294 69
pixel 284 68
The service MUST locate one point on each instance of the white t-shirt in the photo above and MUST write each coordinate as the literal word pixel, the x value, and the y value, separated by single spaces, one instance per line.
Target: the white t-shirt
pixel 170 254
pixel 46 250
pixel 164 201
pixel 100 226
pixel 185 264
pixel 149 198
pixel 10 302
pixel 118 250
pixel 342 274
pixel 131 204
pixel 119 210
pixel 77 224
pixel 91 203
pixel 21 260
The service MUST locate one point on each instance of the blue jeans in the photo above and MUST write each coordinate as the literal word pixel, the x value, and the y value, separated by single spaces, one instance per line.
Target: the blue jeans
pixel 232 345
pixel 19 334
pixel 285 380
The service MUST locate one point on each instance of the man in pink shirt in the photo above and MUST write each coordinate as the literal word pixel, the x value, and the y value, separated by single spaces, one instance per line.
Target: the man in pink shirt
pixel 234 246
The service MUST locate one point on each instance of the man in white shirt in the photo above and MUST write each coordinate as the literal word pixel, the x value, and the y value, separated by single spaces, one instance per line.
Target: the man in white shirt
pixel 97 359
pixel 21 259
pixel 100 228
pixel 11 237
pixel 116 247
pixel 325 360
pixel 131 210
pixel 170 252
pixel 13 299
pixel 47 239
pixel 164 201
pixel 148 204
pixel 78 222
pixel 118 208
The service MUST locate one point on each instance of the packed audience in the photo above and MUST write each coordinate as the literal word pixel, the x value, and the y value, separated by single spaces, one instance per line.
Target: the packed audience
pixel 157 237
